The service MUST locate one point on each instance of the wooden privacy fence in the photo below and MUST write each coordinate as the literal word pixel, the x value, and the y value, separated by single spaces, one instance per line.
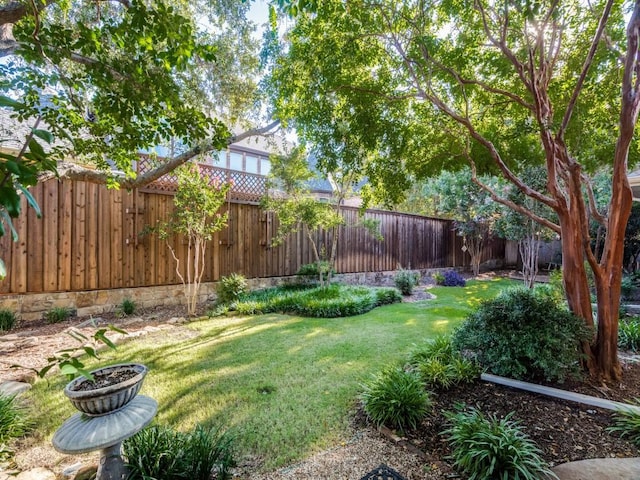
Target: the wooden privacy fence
pixel 90 237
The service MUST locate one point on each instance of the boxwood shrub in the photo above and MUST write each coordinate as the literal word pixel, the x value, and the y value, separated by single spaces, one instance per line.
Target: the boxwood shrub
pixel 525 335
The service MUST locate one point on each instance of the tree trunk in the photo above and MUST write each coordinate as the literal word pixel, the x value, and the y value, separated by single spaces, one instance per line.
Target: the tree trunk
pixel 529 252
pixel 474 245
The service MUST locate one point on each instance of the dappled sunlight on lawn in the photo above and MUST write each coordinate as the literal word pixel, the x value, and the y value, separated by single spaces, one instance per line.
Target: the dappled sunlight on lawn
pixel 442 326
pixel 285 385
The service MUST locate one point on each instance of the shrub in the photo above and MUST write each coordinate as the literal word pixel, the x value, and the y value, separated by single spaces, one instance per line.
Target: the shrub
pixel 127 307
pixel 8 319
pixel 438 277
pixel 554 289
pixel 58 314
pixel 524 335
pixel 405 281
pixel 231 288
pixel 387 296
pixel 453 279
pixel 161 453
pixel 330 301
pixel 395 398
pixel 488 448
pixel 629 334
pixel 626 422
pixel 627 287
pixel 310 272
pixel 218 311
pixel 439 365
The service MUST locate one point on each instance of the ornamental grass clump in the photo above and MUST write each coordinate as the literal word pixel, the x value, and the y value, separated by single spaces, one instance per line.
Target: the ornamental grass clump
pixel 406 281
pixel 488 448
pixel 8 319
pixel 161 453
pixel 440 365
pixel 395 398
pixel 58 314
pixel 14 422
pixel 626 422
pixel 629 334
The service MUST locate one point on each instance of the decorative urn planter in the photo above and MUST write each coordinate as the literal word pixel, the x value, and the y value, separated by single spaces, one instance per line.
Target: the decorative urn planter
pixel 113 387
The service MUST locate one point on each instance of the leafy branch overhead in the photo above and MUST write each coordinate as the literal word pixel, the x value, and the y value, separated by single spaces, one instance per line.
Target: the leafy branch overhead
pixel 69 360
pixel 110 79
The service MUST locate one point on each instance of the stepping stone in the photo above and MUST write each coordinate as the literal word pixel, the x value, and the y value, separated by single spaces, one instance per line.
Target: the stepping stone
pixel 600 469
pixel 383 472
pixel 12 388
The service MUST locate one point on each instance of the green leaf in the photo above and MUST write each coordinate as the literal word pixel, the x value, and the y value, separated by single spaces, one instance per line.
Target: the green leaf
pixel 37 149
pixel 6 218
pixel 43 134
pixel 68 369
pixel 118 330
pixel 90 351
pixel 31 200
pixel 10 103
pixel 3 270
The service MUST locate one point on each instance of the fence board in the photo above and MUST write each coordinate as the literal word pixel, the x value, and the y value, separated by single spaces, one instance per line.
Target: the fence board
pixel 92 249
pixel 50 233
pixel 17 271
pixel 91 237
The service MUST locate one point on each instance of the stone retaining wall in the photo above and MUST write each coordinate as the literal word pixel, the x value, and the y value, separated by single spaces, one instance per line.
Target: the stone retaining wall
pixel 30 307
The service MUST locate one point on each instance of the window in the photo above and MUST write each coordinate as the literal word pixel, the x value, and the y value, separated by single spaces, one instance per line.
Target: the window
pixel 251 164
pixel 219 159
pixel 265 166
pixel 235 161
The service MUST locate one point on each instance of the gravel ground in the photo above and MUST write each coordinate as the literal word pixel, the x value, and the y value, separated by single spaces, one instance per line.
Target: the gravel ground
pixel 365 451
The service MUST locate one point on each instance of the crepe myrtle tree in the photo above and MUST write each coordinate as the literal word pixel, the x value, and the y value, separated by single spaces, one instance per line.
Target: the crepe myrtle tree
pixel 500 85
pixel 297 209
pixel 196 216
pixel 515 226
pixel 453 195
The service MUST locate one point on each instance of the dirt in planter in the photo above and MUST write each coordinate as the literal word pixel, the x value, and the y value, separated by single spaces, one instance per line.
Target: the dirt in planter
pixel 104 379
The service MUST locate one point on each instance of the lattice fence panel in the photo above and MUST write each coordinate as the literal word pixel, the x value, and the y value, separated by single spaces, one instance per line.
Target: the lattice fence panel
pixel 246 187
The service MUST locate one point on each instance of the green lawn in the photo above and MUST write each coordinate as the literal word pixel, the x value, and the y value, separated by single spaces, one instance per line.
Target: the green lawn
pixel 286 385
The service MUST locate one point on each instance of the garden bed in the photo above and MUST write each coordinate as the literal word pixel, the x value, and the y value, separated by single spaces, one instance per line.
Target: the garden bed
pixel 564 431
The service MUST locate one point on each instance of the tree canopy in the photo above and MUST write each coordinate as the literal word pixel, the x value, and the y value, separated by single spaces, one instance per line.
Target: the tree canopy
pixel 110 79
pixel 426 85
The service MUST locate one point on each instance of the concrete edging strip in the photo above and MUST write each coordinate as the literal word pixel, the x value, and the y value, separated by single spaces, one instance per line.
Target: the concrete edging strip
pixel 562 394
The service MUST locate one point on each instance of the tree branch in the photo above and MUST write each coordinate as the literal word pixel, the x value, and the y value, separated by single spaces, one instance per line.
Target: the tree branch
pixel 502 46
pixel 265 131
pixel 16 11
pixel 485 86
pixel 73 171
pixel 585 69
pixel 512 205
pixel 597 216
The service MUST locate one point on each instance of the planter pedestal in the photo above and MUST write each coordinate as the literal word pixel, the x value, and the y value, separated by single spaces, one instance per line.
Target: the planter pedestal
pixel 83 433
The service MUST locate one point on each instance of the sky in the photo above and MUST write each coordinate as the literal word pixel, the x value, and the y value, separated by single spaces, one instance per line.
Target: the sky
pixel 259 12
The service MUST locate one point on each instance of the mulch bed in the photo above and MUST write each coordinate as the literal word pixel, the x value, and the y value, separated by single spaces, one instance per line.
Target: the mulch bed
pixel 564 431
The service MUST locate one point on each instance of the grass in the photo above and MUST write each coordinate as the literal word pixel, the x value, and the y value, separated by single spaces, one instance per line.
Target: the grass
pixel 284 384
